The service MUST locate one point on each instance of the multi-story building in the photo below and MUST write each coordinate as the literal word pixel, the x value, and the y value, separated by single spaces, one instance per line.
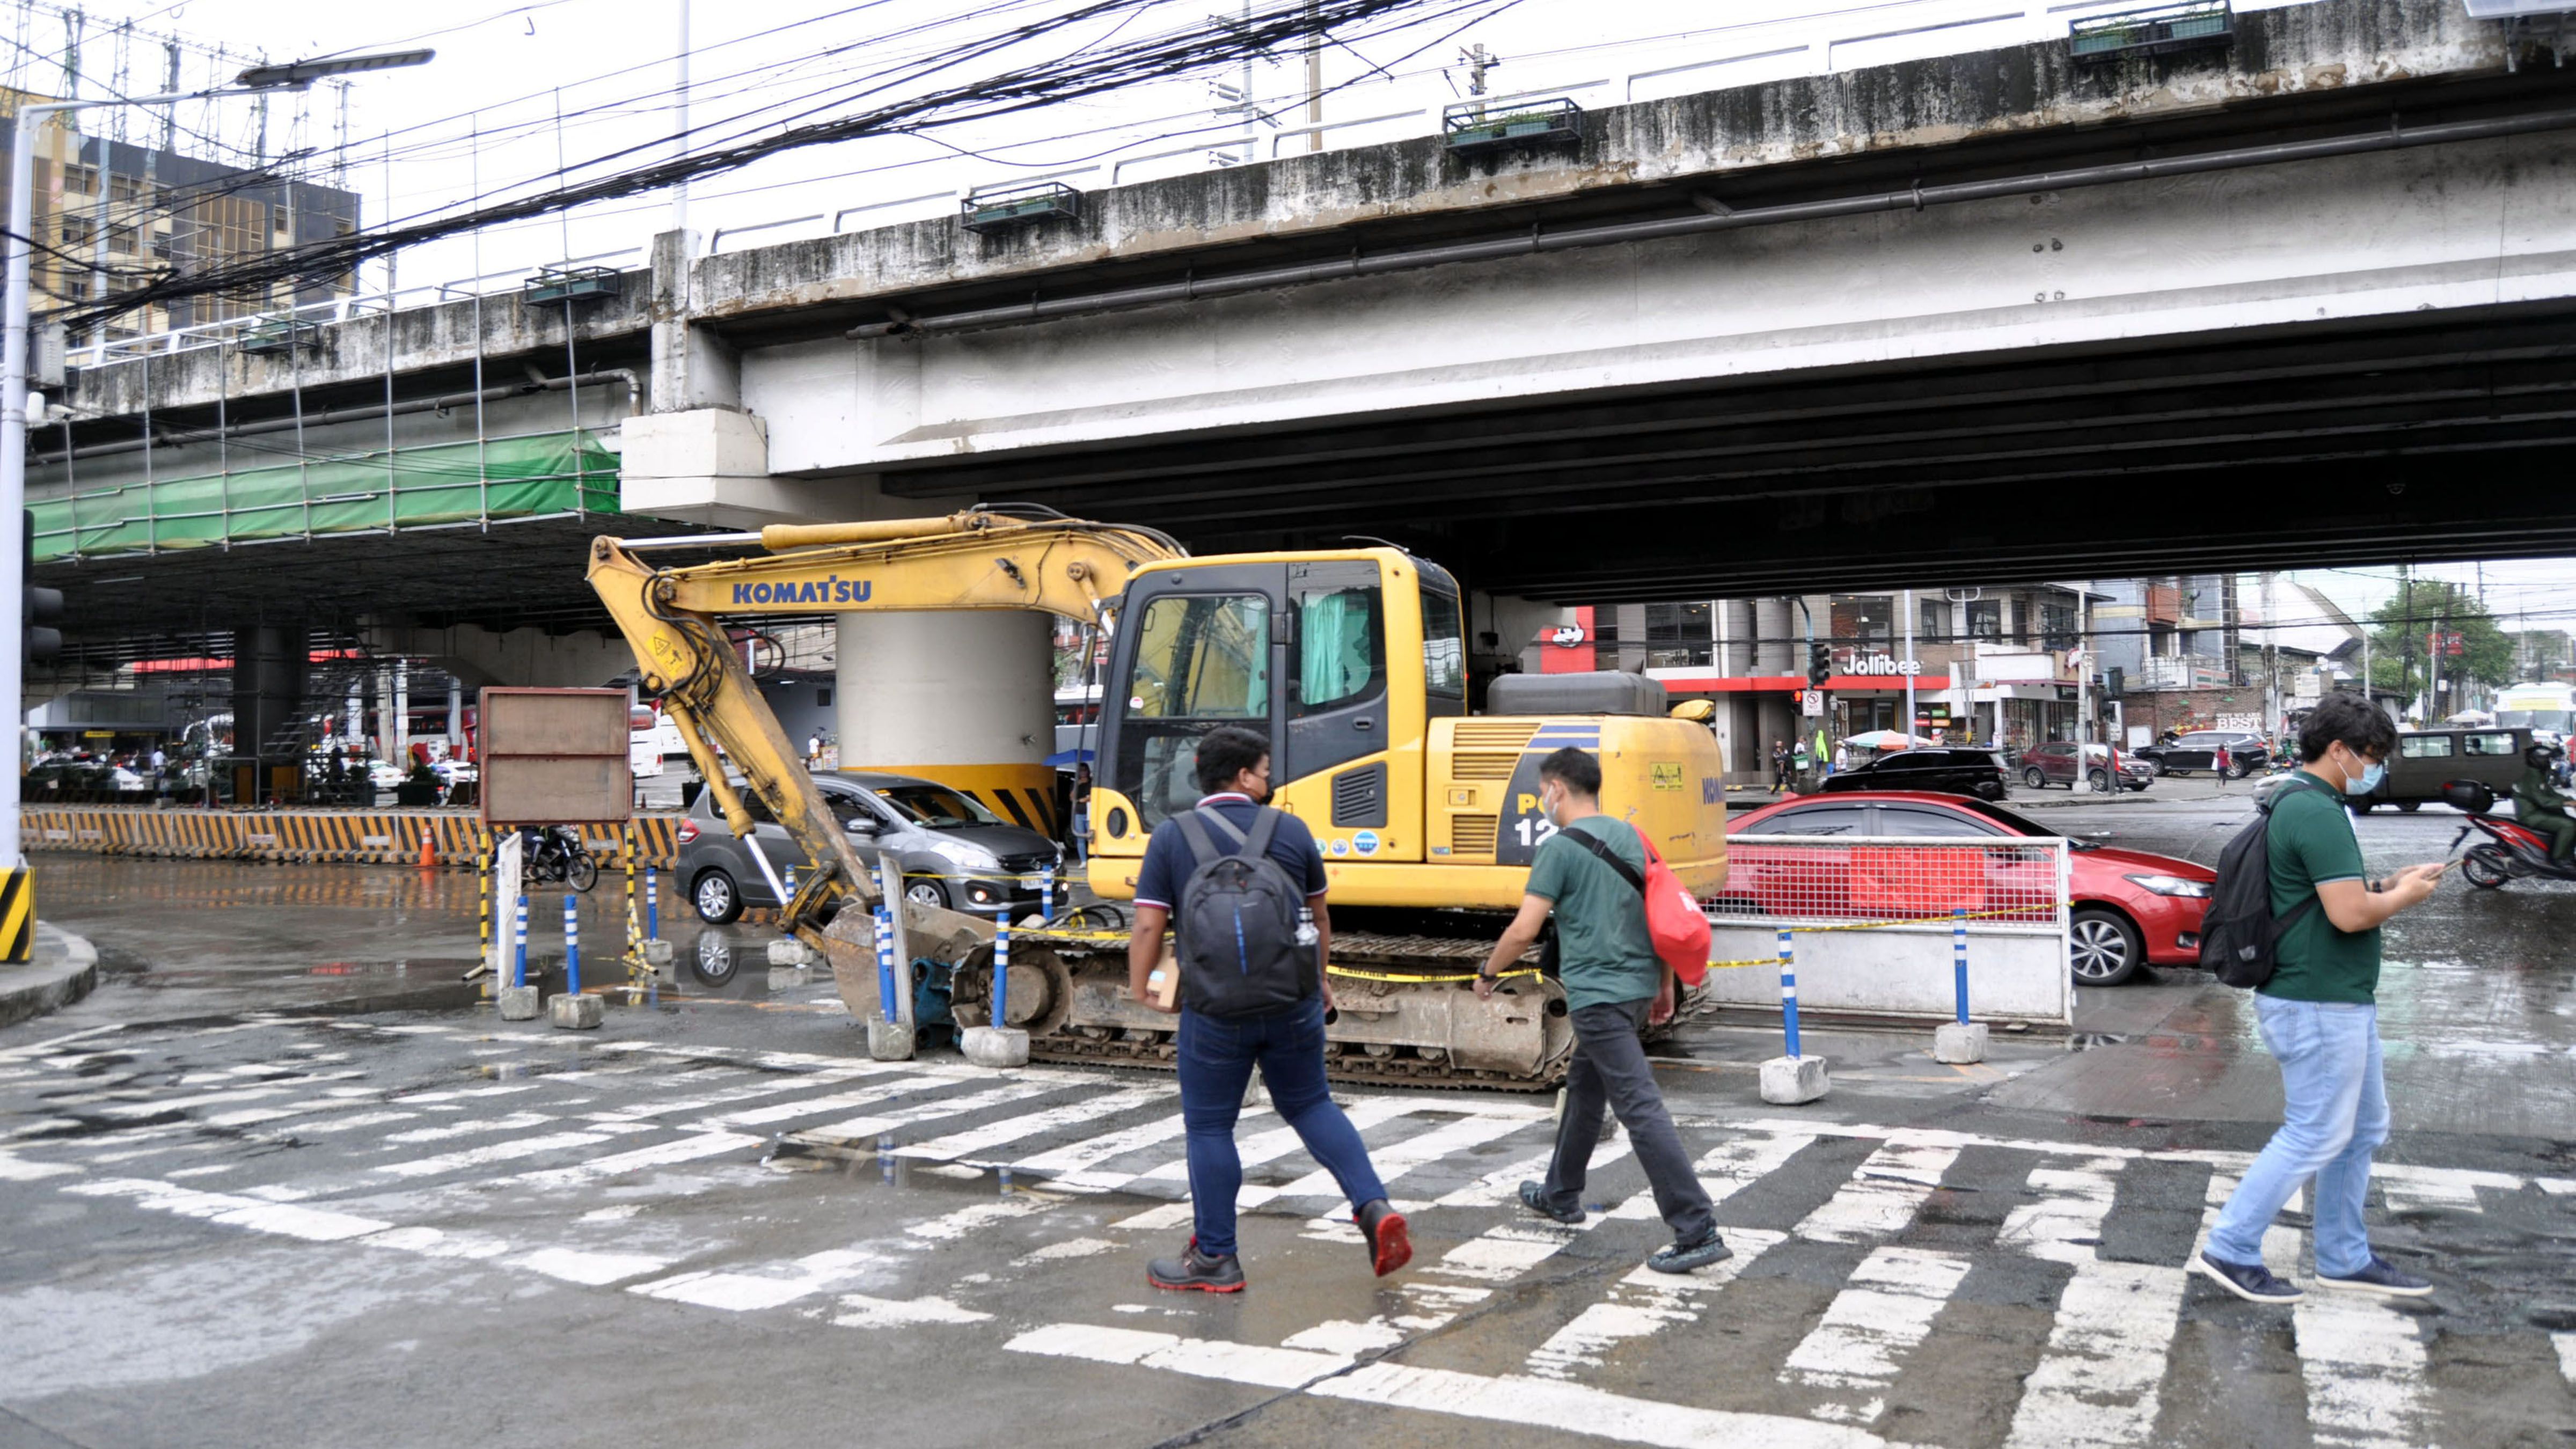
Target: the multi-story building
pixel 109 215
pixel 1986 664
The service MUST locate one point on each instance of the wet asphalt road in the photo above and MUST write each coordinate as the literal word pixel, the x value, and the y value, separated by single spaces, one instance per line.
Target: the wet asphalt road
pixel 278 1182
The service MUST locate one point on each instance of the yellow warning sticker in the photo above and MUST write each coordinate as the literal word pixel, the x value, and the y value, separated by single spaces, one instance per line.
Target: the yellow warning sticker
pixel 1668 776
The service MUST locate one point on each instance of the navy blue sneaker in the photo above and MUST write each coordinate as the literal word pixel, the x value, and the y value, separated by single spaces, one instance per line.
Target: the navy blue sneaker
pixel 2250 1281
pixel 1534 1197
pixel 2378 1276
pixel 1699 1252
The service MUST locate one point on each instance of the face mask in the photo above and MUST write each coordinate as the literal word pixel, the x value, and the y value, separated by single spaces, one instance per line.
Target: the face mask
pixel 1549 804
pixel 2371 775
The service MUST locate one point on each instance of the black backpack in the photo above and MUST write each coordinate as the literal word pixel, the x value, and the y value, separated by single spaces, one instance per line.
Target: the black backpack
pixel 2238 933
pixel 1237 925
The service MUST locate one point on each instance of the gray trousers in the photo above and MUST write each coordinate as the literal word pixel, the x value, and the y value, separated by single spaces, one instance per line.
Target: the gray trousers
pixel 1610 1070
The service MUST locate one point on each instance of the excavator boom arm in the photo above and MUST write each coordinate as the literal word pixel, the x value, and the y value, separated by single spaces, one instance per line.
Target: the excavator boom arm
pixel 971 560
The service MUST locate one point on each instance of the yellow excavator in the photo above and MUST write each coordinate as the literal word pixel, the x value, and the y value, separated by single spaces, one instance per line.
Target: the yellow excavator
pixel 1352 661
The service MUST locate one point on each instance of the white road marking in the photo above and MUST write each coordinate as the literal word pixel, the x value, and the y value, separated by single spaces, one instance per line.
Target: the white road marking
pixel 2364 1364
pixel 497 1152
pixel 1242 1363
pixel 1278 1142
pixel 286 1219
pixel 1418 1150
pixel 860 1311
pixel 838 1102
pixel 692 1148
pixel 2566 1343
pixel 1070 1166
pixel 783 1284
pixel 1577 1409
pixel 1866 1333
pixel 1726 1170
pixel 1642 1304
pixel 975 1140
pixel 863 1131
pixel 512 1123
pixel 1882 1194
pixel 2097 1382
pixel 591 1270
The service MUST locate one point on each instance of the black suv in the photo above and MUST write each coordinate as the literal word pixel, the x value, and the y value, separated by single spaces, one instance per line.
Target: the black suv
pixel 1944 771
pixel 2247 754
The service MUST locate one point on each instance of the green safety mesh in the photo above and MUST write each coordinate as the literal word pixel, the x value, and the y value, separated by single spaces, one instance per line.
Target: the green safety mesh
pixel 441 483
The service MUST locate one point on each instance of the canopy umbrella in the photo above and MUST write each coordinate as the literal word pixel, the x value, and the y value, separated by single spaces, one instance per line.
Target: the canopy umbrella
pixel 1884 740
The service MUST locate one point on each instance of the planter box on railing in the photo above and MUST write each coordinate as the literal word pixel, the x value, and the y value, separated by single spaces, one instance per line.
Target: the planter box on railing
pixel 1003 208
pixel 1473 126
pixel 2160 31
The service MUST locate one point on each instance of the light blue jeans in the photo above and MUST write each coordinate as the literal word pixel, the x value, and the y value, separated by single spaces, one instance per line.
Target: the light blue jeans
pixel 2336 1114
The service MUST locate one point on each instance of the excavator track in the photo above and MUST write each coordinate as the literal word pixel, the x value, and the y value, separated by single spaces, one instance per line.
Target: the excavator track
pixel 1407 1021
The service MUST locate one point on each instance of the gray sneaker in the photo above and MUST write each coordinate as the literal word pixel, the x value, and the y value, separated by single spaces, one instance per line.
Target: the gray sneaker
pixel 2250 1281
pixel 1707 1248
pixel 2379 1276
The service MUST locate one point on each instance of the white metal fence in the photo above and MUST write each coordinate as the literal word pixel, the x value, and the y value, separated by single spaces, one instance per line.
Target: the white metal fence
pixel 1873 923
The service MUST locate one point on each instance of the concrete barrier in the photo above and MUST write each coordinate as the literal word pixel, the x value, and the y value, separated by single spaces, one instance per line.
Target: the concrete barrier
pixel 2020 972
pixel 360 837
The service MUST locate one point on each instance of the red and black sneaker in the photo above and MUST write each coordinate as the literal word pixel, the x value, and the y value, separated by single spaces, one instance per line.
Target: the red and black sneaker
pixel 1390 1246
pixel 1194 1271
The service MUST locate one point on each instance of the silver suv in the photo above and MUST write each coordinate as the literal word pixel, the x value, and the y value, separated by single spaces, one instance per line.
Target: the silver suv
pixel 953 851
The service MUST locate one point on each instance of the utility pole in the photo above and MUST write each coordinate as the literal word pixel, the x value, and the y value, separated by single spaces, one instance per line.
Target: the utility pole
pixel 1314 74
pixel 680 142
pixel 1906 602
pixel 2405 638
pixel 1480 62
pixel 2271 658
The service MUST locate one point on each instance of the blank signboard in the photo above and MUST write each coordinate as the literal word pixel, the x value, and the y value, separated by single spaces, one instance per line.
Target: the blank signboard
pixel 556 757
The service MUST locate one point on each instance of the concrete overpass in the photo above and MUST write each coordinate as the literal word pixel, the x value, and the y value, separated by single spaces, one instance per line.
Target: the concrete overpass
pixel 2306 298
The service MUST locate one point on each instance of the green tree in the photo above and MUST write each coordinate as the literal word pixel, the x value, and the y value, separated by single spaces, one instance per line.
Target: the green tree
pixel 2401 633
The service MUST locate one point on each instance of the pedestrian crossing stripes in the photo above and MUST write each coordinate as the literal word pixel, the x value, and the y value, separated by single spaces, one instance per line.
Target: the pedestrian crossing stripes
pixel 1850 1294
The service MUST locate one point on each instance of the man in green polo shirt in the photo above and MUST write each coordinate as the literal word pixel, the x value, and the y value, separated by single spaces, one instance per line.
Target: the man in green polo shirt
pixel 2319 1017
pixel 1613 984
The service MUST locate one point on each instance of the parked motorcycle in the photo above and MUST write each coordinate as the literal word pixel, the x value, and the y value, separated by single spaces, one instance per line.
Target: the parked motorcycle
pixel 2511 851
pixel 556 854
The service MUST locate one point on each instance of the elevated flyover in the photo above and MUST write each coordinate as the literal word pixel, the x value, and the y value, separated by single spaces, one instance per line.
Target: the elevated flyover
pixel 2300 299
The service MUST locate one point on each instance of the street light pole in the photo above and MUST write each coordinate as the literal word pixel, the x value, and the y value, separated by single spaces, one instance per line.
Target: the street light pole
pixel 13 376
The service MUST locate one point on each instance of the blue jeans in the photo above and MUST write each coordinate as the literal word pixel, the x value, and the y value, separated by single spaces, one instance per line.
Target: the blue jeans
pixel 1217 1054
pixel 2336 1113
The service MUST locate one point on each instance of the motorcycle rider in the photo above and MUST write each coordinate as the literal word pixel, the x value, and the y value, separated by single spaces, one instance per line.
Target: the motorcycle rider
pixel 2538 806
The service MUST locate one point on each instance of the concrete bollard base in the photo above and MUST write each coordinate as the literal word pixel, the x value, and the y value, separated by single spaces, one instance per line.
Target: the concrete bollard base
pixel 1959 1042
pixel 521 1003
pixel 667 972
pixel 995 1046
pixel 657 953
pixel 574 1012
pixel 786 952
pixel 889 1041
pixel 783 978
pixel 1788 1081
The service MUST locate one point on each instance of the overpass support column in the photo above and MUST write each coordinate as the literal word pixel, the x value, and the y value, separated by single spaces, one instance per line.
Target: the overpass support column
pixel 963 697
pixel 268 696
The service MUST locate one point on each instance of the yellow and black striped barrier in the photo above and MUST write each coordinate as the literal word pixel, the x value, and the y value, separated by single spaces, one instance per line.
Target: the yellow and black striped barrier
pixel 17 915
pixel 359 837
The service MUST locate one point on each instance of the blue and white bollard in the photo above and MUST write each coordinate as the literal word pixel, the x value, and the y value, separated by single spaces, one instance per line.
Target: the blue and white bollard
pixel 572 944
pixel 652 904
pixel 519 1000
pixel 1797 1077
pixel 1046 900
pixel 572 1010
pixel 885 967
pixel 999 1044
pixel 791 887
pixel 1001 965
pixel 1960 1042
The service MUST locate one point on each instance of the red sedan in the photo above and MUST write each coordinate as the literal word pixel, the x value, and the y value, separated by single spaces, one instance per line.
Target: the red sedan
pixel 2131 907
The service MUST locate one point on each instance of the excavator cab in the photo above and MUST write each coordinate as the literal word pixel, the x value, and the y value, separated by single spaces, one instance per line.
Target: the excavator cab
pixel 1341 659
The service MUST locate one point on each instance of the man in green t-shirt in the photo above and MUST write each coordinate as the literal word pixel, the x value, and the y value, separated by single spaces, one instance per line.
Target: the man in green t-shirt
pixel 2319 1017
pixel 1614 984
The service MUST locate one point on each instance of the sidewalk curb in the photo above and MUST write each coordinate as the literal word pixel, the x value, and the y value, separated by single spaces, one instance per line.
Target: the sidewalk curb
pixel 64 971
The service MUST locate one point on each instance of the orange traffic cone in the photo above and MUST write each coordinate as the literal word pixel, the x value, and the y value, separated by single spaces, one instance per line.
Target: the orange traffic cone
pixel 428 848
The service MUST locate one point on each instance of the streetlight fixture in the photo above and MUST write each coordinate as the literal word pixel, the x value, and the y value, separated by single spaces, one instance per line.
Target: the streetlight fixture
pixel 13 368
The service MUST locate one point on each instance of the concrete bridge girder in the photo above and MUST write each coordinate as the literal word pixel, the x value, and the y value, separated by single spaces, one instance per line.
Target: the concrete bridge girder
pixel 2376 235
pixel 525 658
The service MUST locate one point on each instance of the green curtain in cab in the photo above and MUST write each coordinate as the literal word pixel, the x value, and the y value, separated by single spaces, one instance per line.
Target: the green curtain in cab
pixel 1336 648
pixel 441 483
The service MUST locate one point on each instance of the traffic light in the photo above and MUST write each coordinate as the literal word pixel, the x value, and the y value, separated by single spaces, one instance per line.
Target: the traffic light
pixel 1820 665
pixel 36 607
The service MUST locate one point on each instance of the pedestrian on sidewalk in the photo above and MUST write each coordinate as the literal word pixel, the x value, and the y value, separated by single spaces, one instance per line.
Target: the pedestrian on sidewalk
pixel 2220 761
pixel 1779 765
pixel 1191 858
pixel 1614 984
pixel 2318 1015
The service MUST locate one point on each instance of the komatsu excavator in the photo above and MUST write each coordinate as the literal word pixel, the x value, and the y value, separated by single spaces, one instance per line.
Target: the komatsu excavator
pixel 1352 661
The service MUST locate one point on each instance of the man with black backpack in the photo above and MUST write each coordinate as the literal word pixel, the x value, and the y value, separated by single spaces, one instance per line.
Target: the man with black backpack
pixel 2309 946
pixel 1243 886
pixel 1591 874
